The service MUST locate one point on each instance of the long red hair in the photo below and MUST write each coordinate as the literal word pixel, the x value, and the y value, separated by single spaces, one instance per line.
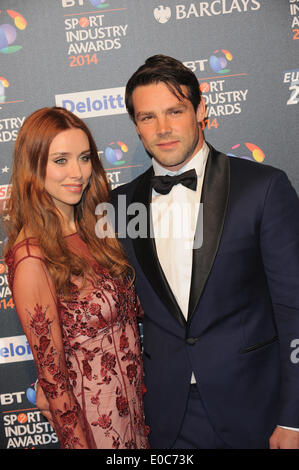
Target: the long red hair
pixel 32 209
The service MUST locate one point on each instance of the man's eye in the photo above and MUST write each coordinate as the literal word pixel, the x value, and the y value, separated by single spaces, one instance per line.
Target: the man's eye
pixel 146 118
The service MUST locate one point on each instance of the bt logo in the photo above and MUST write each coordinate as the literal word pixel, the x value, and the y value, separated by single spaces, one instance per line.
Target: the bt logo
pixel 218 63
pixel 31 394
pixel 17 397
pixel 162 14
pixel 3 84
pixel 114 153
pixel 99 3
pixel 8 33
pixel 80 3
pixel 256 153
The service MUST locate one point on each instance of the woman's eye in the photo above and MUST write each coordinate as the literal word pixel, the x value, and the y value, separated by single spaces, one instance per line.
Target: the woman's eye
pixel 85 158
pixel 60 161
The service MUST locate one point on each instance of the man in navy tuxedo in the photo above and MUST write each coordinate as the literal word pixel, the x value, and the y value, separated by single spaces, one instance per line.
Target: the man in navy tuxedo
pixel 221 299
pixel 218 281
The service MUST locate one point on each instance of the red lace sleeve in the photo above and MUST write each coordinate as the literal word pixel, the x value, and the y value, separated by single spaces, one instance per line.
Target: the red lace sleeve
pixel 36 305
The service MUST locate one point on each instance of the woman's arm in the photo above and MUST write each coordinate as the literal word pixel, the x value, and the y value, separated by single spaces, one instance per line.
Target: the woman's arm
pixel 36 305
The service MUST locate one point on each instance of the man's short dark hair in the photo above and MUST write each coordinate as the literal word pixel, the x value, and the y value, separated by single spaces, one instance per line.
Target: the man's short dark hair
pixel 170 71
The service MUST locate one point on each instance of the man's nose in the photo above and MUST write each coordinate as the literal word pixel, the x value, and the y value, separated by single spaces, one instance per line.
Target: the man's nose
pixel 163 125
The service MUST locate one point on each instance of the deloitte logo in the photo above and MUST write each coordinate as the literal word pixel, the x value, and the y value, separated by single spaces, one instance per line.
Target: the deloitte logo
pixel 162 14
pixel 3 84
pixel 14 349
pixel 114 153
pixel 219 62
pixel 256 153
pixel 8 33
pixel 99 3
pixel 94 103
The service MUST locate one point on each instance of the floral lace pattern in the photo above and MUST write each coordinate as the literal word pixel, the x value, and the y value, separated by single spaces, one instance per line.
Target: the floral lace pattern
pixel 87 351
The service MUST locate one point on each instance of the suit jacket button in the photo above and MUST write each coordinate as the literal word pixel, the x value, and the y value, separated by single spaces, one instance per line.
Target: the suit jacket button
pixel 191 341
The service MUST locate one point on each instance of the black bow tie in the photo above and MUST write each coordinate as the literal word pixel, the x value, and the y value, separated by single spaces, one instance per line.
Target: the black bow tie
pixel 164 184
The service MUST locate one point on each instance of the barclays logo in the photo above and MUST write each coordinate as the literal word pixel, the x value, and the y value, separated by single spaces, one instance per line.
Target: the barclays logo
pixel 162 14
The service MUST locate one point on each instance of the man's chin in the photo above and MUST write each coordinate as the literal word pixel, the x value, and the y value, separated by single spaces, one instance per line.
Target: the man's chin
pixel 172 164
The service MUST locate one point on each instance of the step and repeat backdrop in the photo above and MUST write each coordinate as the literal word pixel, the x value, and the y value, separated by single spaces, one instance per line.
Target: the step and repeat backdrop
pixel 79 54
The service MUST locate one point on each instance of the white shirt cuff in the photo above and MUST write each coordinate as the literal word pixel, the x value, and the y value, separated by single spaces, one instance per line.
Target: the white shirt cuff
pixel 286 427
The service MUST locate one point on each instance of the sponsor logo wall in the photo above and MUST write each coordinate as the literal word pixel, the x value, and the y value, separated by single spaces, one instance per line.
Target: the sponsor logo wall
pixel 79 54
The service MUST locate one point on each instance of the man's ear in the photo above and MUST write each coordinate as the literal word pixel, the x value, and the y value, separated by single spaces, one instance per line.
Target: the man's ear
pixel 201 110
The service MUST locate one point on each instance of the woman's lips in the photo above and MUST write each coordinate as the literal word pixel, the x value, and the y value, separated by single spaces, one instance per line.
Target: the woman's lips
pixel 74 188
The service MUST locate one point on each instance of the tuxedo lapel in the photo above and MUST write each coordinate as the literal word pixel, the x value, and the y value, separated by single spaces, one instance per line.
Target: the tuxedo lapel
pixel 146 254
pixel 214 200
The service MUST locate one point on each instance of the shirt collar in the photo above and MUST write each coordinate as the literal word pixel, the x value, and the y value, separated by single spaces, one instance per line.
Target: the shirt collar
pixel 197 162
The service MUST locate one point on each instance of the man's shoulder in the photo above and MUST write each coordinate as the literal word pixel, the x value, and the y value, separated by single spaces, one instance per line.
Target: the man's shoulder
pixel 249 175
pixel 246 169
pixel 241 167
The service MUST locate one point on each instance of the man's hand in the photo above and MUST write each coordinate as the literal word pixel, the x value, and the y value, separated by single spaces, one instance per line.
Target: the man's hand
pixel 43 404
pixel 284 439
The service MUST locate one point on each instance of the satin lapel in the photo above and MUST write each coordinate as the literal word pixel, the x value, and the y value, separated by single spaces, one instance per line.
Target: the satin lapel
pixel 146 254
pixel 214 197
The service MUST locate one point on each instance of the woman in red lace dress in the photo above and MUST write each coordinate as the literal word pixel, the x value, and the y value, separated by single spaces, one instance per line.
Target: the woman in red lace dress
pixel 73 291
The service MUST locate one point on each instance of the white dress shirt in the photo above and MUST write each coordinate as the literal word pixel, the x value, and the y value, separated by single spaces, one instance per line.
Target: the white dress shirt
pixel 174 218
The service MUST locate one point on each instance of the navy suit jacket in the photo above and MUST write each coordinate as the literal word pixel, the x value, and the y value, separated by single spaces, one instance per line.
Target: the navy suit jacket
pixel 243 308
